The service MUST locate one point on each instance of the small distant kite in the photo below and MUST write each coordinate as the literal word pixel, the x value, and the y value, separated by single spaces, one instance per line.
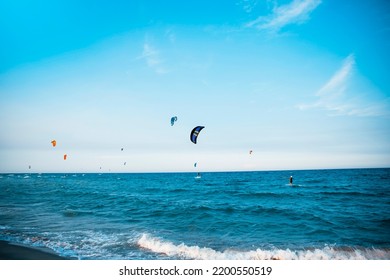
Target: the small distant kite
pixel 54 143
pixel 121 149
pixel 194 133
pixel 173 120
pixel 65 156
pixel 29 167
pixel 124 163
pixel 195 164
pixel 250 152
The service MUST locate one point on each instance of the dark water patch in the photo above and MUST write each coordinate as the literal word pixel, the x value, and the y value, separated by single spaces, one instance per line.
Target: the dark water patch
pixel 258 209
pixel 385 223
pixel 75 213
pixel 212 184
pixel 347 194
pixel 263 195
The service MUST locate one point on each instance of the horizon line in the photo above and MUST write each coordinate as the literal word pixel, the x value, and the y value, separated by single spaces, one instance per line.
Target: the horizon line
pixel 175 172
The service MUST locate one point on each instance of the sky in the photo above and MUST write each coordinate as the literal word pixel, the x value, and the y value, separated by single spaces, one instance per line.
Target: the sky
pixel 303 84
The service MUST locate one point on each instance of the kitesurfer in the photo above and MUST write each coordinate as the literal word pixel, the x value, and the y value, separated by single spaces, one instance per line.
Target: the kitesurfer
pixel 291 180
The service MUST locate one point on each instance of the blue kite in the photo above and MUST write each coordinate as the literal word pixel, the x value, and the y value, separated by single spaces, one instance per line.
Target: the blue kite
pixel 173 120
pixel 194 133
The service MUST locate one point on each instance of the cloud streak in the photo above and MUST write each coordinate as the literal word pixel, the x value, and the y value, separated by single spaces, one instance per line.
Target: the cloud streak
pixel 334 90
pixel 248 5
pixel 153 59
pixel 338 96
pixel 296 12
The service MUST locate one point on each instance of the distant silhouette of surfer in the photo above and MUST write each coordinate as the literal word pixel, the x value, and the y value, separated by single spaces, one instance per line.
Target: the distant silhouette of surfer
pixel 291 180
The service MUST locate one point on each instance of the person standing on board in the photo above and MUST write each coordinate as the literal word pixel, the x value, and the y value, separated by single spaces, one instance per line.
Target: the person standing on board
pixel 291 180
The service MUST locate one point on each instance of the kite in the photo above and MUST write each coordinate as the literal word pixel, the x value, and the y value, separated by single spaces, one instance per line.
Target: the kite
pixel 250 152
pixel 195 164
pixel 194 133
pixel 65 156
pixel 173 120
pixel 54 143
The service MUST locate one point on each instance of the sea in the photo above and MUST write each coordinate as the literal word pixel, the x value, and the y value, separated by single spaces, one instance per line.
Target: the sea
pixel 325 214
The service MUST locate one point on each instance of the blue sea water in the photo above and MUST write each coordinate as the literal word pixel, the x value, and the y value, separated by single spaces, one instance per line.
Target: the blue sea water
pixel 326 214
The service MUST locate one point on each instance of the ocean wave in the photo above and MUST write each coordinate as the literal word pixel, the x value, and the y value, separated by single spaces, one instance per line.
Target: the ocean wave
pixel 182 250
pixel 80 244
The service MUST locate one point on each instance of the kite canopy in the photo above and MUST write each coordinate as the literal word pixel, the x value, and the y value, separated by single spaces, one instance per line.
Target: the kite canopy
pixel 65 156
pixel 173 120
pixel 194 133
pixel 54 143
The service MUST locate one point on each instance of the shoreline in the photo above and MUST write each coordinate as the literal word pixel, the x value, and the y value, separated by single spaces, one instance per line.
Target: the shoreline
pixel 13 251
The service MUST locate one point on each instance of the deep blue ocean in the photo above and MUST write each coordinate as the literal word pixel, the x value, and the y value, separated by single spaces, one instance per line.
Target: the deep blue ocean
pixel 325 214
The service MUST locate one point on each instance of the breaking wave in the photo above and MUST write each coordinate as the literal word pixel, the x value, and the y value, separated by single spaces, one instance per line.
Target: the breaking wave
pixel 157 245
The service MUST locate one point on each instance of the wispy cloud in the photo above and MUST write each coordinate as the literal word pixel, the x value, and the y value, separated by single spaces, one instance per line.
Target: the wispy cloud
pixel 338 98
pixel 336 86
pixel 296 12
pixel 248 5
pixel 153 58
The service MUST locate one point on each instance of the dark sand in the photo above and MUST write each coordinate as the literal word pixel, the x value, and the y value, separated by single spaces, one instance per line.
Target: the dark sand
pixel 9 251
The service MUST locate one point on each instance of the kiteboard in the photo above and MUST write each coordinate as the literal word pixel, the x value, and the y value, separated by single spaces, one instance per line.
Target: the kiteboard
pixel 198 177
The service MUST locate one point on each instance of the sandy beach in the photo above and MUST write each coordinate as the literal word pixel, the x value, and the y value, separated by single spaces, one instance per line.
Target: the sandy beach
pixel 10 251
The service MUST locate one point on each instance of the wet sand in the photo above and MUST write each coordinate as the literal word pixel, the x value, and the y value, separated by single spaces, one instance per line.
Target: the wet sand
pixel 10 251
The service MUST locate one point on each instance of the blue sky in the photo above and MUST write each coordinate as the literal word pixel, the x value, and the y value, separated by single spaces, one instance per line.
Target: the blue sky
pixel 302 83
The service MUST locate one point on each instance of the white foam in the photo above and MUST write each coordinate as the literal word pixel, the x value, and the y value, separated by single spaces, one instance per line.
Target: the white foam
pixel 4 227
pixel 87 245
pixel 195 252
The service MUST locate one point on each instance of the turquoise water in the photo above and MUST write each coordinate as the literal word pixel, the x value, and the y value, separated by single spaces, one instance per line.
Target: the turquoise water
pixel 326 214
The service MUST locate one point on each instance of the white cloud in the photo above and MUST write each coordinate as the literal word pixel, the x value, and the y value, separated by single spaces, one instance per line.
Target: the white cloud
pixel 296 12
pixel 153 59
pixel 248 5
pixel 342 95
pixel 334 90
